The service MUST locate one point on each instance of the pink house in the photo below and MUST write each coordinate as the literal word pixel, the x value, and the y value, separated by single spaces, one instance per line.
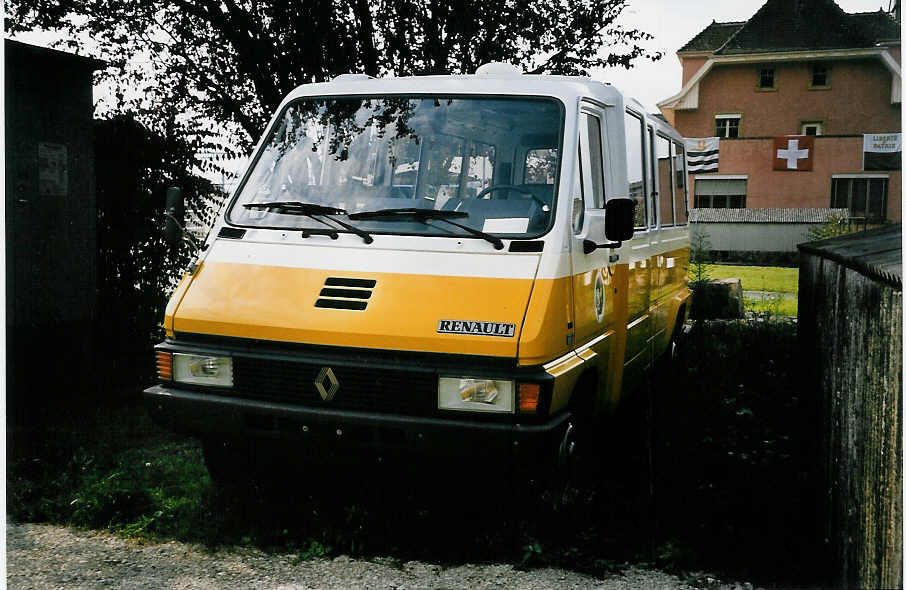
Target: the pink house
pixel 796 68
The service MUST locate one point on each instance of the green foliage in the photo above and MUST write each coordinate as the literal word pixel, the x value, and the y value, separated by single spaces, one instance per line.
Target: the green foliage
pixel 531 554
pixel 136 267
pixel 123 475
pixel 738 451
pixel 206 64
pixel 699 259
pixel 773 305
pixel 833 226
pixel 314 550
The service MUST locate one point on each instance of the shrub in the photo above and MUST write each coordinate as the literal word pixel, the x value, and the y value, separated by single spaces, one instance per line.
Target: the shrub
pixel 833 226
pixel 136 268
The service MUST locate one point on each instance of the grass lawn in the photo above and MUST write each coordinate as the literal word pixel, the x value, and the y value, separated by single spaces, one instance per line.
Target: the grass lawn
pixel 773 279
pixel 778 306
pixel 759 278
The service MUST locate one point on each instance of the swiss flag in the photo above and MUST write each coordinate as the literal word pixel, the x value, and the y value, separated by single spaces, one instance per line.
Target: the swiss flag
pixel 794 152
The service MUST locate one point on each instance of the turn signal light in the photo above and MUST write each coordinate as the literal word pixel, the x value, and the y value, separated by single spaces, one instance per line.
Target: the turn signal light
pixel 529 394
pixel 164 366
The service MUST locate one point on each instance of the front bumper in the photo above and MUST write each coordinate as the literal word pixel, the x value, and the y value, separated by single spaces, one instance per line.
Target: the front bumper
pixel 345 434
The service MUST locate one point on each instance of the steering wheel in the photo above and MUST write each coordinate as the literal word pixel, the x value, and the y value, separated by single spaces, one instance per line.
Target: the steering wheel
pixel 544 206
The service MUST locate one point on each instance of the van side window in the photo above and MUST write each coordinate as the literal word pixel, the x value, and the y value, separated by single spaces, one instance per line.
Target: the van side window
pixel 635 166
pixel 595 180
pixel 578 213
pixel 680 199
pixel 652 163
pixel 665 180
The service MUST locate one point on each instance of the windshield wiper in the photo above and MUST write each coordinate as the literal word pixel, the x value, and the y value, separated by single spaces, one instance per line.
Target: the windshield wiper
pixel 407 212
pixel 310 210
pixel 425 215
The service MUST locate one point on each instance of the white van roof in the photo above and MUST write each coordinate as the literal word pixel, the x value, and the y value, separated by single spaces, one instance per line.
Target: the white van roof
pixel 566 88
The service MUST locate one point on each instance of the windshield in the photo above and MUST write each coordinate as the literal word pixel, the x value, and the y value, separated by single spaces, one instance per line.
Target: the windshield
pixel 495 159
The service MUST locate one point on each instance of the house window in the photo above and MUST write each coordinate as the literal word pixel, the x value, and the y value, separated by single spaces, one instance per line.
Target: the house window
pixel 766 79
pixel 720 193
pixel 812 128
pixel 864 196
pixel 727 125
pixel 820 77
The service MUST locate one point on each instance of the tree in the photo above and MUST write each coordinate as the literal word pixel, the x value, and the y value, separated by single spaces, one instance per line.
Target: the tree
pixel 227 64
pixel 136 268
pixel 699 259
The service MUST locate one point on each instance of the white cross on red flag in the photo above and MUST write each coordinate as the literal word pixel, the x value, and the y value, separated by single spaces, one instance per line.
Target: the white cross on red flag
pixel 794 152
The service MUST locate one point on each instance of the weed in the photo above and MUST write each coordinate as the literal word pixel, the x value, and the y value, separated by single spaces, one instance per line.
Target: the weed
pixel 531 555
pixel 772 306
pixel 315 550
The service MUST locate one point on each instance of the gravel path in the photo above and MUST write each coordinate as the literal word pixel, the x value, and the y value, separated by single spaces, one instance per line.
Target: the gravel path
pixel 43 556
pixel 768 295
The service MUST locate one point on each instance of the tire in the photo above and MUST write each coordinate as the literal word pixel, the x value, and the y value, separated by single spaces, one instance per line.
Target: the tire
pixel 577 460
pixel 675 347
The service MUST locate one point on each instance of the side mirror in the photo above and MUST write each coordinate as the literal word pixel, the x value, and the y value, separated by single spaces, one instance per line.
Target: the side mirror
pixel 619 219
pixel 174 212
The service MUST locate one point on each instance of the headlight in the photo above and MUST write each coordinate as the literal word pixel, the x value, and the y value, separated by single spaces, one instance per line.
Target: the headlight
pixel 475 395
pixel 203 370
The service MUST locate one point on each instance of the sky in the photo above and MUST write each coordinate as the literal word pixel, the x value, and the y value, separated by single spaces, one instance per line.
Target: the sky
pixel 673 24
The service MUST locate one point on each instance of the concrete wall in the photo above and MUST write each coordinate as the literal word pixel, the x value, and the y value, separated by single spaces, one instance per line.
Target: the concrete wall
pixel 754 237
pixel 850 329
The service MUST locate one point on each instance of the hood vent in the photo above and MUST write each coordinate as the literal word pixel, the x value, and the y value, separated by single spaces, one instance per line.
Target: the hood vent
pixel 345 293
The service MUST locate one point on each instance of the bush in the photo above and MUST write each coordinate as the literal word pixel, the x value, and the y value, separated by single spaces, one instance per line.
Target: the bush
pixel 136 268
pixel 111 470
pixel 833 226
pixel 736 450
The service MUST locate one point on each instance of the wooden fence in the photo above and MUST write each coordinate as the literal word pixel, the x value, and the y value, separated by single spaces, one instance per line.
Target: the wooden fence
pixel 850 326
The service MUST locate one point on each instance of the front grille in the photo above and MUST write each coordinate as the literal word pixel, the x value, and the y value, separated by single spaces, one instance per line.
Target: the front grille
pixel 361 389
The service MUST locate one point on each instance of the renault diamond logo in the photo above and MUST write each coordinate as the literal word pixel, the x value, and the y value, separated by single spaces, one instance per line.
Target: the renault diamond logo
pixel 327 384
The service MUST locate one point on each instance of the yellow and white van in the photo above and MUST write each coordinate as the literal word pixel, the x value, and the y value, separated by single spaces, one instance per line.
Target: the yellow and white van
pixel 420 264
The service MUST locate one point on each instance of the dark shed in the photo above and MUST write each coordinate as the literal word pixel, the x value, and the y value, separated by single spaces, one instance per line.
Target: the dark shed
pixel 851 332
pixel 51 219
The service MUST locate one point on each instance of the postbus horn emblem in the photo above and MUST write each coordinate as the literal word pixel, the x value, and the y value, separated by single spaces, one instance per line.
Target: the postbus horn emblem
pixel 326 383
